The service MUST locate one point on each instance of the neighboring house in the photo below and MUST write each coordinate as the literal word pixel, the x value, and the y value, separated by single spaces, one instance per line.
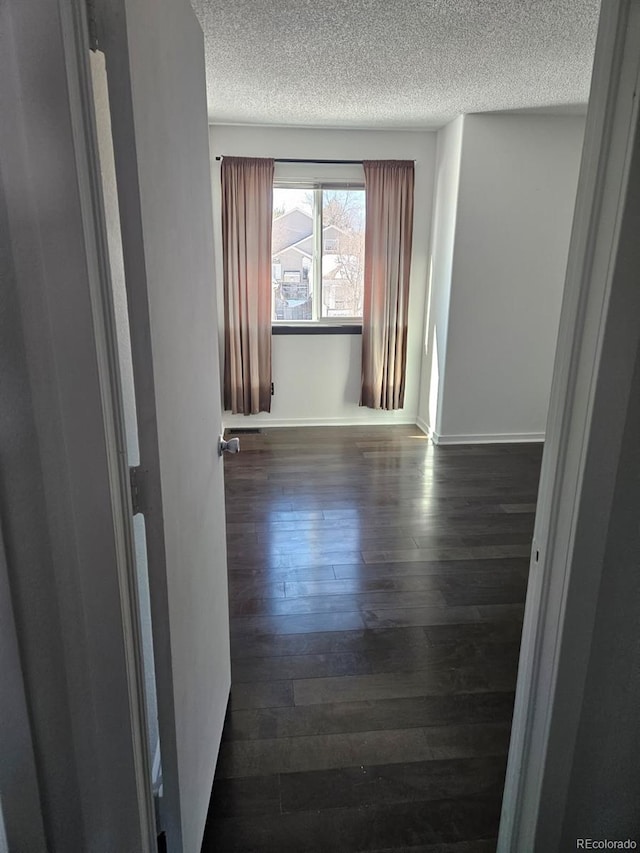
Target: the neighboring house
pixel 292 260
pixel 290 264
pixel 290 228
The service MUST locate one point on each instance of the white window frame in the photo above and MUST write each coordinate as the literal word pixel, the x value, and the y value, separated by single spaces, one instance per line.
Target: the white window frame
pixel 317 188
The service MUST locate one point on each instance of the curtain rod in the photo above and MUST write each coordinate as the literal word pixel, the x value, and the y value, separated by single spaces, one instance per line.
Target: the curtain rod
pixel 302 160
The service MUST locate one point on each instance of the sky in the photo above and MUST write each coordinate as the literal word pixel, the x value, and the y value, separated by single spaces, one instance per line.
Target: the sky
pixel 290 198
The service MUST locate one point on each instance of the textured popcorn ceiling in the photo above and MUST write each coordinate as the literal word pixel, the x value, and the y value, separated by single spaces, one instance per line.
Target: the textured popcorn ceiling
pixel 400 63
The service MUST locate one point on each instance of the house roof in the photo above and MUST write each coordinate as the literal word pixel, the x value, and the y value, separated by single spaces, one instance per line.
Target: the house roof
pixel 279 237
pixel 290 228
pixel 294 249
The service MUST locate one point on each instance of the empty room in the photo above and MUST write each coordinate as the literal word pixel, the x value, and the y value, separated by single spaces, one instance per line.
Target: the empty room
pixel 386 352
pixel 319 380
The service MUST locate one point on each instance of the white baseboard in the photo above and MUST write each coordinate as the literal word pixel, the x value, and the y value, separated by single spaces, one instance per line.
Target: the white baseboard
pixel 257 422
pixel 488 438
pixel 383 419
pixel 424 426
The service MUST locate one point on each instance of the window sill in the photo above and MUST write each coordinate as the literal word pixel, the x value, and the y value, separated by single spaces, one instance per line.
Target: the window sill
pixel 317 329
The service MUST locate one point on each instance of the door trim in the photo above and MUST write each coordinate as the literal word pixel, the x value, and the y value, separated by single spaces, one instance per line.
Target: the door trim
pixel 558 612
pixel 75 37
pixel 21 821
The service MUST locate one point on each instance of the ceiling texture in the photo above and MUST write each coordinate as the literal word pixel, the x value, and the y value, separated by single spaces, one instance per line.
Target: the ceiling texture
pixel 406 64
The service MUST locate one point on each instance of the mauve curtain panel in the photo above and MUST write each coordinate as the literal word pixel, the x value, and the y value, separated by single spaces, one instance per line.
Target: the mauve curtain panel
pixel 247 211
pixel 387 264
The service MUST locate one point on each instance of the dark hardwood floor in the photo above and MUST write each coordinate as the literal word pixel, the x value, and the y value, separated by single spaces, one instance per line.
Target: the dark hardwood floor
pixel 376 593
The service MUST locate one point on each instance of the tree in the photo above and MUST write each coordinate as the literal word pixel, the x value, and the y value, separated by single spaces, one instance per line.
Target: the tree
pixel 344 209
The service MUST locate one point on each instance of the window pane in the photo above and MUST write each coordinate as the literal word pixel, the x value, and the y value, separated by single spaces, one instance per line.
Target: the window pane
pixel 343 215
pixel 292 254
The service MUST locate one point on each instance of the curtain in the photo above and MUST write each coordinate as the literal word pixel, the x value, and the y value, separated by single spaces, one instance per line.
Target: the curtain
pixel 387 263
pixel 247 211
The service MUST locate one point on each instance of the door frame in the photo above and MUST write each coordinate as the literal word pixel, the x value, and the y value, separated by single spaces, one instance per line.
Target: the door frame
pixel 75 28
pixel 87 723
pixel 21 821
pixel 569 539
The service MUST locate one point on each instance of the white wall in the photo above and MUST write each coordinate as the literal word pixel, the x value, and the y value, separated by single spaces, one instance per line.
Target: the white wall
pixel 317 378
pixel 518 179
pixel 445 209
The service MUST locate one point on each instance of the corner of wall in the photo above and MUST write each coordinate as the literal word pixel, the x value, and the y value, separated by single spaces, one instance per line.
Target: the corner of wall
pixel 442 241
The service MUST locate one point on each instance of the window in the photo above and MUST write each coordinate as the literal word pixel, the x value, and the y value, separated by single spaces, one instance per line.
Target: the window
pixel 318 253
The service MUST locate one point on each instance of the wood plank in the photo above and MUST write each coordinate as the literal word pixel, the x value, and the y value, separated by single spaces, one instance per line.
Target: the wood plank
pixel 377 586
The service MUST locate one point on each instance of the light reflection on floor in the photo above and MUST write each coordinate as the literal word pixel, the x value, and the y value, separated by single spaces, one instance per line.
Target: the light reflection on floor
pixel 317 538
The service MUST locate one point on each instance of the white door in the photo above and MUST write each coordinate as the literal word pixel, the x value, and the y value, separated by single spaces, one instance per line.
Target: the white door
pixel 155 68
